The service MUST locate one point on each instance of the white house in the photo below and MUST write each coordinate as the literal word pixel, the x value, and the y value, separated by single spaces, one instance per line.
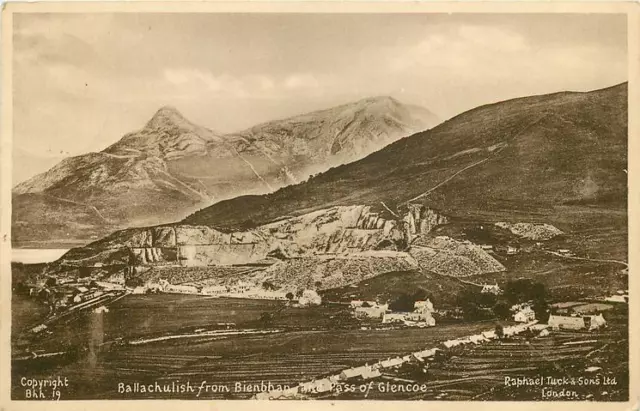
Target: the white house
pixel 323 385
pixel 423 305
pixel 364 372
pixel 393 318
pixel 617 299
pixel 451 343
pixel 489 334
pixel 369 373
pixel 180 288
pixel 491 288
pixel 309 297
pixel 391 362
pixel 477 339
pixel 371 312
pixel 524 315
pixel 425 353
pixel 565 322
pixel 593 322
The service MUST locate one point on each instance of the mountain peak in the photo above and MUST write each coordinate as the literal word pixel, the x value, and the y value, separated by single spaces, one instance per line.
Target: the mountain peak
pixel 167 116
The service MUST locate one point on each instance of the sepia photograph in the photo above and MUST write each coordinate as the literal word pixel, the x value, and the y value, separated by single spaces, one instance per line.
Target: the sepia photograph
pixel 328 206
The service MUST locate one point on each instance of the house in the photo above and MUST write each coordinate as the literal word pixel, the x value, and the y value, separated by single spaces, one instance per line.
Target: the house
pixel 451 343
pixel 139 290
pixel 558 322
pixel 524 315
pixel 369 373
pixel 109 285
pixel 364 372
pixel 425 353
pixel 489 334
pixel 423 305
pixel 477 339
pixel 393 318
pixel 594 322
pixel 391 363
pixel 360 303
pixel 181 288
pixel 486 247
pixel 307 387
pixel 371 312
pixel 423 319
pixel 323 385
pixel 617 299
pixel 491 289
pixel 309 297
pixel 512 250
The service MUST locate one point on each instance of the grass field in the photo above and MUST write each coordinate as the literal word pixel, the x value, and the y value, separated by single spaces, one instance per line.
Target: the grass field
pixel 289 357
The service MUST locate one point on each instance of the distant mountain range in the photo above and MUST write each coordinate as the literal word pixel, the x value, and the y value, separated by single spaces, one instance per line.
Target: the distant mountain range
pixel 560 157
pixel 172 167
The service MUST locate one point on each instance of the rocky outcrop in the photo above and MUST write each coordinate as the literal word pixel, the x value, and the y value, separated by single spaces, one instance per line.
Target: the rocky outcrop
pixel 340 230
pixel 446 256
pixel 420 220
pixel 532 231
pixel 324 249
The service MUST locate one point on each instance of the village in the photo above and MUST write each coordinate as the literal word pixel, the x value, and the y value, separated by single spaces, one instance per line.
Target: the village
pixel 425 371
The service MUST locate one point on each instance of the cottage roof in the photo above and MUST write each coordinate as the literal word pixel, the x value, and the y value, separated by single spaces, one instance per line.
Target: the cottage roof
pixel 565 320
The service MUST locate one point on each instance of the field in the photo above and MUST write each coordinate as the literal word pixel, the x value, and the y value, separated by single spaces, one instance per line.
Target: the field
pixel 290 356
pixel 26 312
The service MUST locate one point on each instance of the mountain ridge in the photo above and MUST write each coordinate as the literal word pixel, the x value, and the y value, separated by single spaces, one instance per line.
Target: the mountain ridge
pixel 179 164
pixel 537 128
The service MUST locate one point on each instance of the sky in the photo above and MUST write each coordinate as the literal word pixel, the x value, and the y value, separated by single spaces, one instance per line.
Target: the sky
pixel 81 81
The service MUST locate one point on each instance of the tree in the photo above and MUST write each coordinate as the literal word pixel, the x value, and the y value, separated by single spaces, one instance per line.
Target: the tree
pixel 84 272
pixel 541 308
pixel 134 282
pixel 406 302
pixel 269 286
pixel 501 310
pixel 51 281
pixel 289 296
pixel 524 289
pixel 403 303
pixel 499 330
pixel 266 319
pixel 487 299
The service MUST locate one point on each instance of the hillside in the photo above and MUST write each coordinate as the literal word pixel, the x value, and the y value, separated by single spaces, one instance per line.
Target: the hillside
pixel 172 167
pixel 491 194
pixel 547 157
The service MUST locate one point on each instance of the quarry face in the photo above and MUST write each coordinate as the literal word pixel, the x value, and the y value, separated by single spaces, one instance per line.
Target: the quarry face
pixel 331 247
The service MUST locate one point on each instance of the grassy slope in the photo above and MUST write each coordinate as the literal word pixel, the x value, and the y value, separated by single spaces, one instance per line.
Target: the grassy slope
pixel 561 149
